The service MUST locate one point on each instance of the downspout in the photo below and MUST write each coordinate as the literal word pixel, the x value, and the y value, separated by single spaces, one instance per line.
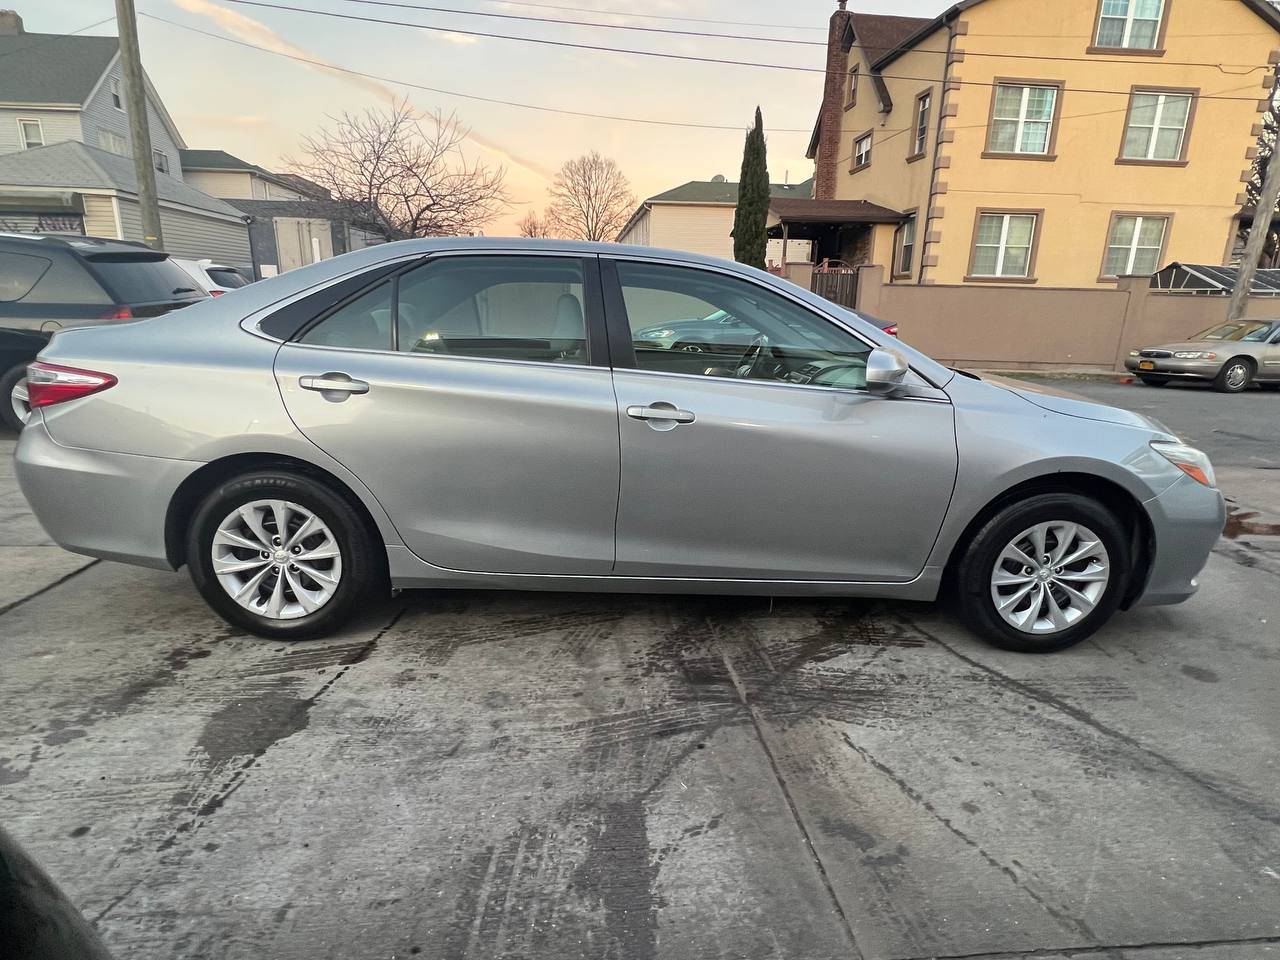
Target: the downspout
pixel 937 148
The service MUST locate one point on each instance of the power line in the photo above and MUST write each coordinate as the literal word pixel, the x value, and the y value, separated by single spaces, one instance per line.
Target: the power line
pixel 737 128
pixel 645 53
pixel 654 16
pixel 55 37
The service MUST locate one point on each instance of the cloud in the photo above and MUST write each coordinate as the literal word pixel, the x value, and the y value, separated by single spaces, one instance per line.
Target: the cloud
pixel 241 121
pixel 460 39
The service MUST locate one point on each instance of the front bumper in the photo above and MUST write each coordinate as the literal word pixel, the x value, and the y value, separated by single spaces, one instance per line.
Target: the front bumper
pixel 1173 367
pixel 1187 520
pixel 109 505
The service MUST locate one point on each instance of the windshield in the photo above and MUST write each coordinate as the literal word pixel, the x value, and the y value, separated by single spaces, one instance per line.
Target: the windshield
pixel 1248 331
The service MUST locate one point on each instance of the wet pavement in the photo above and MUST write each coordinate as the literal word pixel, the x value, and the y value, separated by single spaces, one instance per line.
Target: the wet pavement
pixel 500 775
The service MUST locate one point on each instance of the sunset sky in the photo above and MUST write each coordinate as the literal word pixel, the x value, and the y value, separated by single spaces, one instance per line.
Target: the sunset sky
pixel 257 105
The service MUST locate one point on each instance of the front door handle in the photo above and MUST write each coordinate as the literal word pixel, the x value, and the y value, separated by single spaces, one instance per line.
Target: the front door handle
pixel 660 411
pixel 333 383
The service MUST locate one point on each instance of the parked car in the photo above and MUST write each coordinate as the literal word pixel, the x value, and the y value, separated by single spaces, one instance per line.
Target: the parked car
pixel 1231 355
pixel 214 278
pixel 477 413
pixel 54 282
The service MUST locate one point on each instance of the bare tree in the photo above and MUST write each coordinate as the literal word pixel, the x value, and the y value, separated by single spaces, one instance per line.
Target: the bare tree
pixel 590 199
pixel 532 225
pixel 406 171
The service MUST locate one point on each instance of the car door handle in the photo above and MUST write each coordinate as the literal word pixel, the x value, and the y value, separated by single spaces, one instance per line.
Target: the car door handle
pixel 333 383
pixel 660 411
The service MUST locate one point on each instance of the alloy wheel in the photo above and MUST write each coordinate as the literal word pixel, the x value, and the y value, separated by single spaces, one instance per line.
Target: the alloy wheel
pixel 1237 376
pixel 1050 577
pixel 277 559
pixel 21 401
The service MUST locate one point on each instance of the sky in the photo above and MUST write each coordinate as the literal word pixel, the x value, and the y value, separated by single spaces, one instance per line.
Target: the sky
pixel 257 105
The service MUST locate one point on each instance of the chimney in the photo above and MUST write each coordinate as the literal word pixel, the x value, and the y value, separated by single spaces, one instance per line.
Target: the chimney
pixel 826 158
pixel 10 23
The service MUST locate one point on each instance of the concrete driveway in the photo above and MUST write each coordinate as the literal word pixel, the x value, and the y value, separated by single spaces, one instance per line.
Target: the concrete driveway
pixel 548 776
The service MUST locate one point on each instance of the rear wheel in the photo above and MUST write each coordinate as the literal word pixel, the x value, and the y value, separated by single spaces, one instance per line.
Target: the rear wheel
pixel 14 408
pixel 1154 381
pixel 1044 574
pixel 281 555
pixel 1235 375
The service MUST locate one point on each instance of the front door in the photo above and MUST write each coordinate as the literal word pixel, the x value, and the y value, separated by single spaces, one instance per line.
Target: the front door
pixel 750 447
pixel 480 416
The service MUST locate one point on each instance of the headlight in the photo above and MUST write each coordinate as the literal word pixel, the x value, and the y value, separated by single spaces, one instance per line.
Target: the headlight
pixel 657 334
pixel 1195 355
pixel 1189 460
pixel 1135 353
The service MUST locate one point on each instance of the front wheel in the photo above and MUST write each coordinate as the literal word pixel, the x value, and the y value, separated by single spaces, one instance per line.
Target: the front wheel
pixel 1235 375
pixel 14 405
pixel 1044 574
pixel 281 555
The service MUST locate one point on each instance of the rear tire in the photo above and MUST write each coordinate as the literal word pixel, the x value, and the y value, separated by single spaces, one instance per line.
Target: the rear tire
pixel 1154 381
pixel 1082 611
pixel 1236 375
pixel 9 402
pixel 337 565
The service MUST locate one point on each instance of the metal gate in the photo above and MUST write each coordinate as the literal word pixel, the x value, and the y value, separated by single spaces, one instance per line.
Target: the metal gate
pixel 839 284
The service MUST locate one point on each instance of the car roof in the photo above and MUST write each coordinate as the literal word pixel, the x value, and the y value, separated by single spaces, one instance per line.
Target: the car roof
pixel 71 243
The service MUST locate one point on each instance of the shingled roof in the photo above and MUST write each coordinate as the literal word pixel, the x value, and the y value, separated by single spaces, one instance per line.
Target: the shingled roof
pixel 52 68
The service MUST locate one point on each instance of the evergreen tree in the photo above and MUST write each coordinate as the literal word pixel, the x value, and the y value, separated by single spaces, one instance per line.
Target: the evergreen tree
pixel 752 215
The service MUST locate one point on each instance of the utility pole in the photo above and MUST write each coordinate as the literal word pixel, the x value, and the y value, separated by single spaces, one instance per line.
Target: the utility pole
pixel 1263 211
pixel 135 98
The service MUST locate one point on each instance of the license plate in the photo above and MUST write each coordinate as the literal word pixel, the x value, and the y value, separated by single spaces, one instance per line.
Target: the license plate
pixel 1146 365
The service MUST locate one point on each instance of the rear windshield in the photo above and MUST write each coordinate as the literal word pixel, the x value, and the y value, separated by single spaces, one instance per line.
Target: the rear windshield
pixel 145 280
pixel 226 277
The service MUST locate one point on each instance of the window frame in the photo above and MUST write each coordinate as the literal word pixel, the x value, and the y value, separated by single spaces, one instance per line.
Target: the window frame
pixel 22 133
pixel 1051 143
pixel 1156 51
pixel 1103 276
pixel 1139 88
pixel 159 160
pixel 1036 230
pixel 912 217
pixel 116 94
pixel 920 138
pixel 124 141
pixel 851 89
pixel 598 347
pixel 854 165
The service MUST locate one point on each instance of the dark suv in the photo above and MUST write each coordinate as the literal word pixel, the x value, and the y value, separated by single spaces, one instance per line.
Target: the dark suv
pixel 48 282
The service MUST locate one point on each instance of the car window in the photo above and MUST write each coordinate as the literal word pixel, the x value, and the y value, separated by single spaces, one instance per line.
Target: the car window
pixel 225 277
pixel 691 321
pixel 67 282
pixel 363 323
pixel 1243 330
pixel 18 274
pixel 145 280
pixel 494 307
pixel 1259 334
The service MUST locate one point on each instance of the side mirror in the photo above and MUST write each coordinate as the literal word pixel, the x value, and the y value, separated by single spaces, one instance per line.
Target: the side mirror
pixel 886 372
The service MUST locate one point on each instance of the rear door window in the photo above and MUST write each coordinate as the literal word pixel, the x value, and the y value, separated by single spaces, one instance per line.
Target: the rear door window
pixel 18 274
pixel 145 279
pixel 67 282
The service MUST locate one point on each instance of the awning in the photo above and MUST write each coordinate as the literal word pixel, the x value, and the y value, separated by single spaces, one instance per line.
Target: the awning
pixel 1211 280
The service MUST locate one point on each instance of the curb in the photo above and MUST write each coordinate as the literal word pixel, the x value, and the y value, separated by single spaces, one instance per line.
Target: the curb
pixel 1090 376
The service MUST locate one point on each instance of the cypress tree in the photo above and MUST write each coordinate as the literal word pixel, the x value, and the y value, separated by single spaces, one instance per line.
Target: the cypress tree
pixel 752 214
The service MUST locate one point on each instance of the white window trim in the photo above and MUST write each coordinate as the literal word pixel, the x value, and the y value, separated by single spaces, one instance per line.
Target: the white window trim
pixel 1129 20
pixel 924 111
pixel 1003 248
pixel 868 139
pixel 22 134
pixel 1134 246
pixel 114 91
pixel 158 155
pixel 1156 127
pixel 1022 120
pixel 901 268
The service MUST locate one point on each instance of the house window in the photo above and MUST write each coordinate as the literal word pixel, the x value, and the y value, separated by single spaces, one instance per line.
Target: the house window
pixel 160 160
pixel 861 153
pixel 32 133
pixel 906 248
pixel 1129 24
pixel 1022 118
pixel 1157 126
pixel 1135 245
pixel 1003 245
pixel 924 111
pixel 116 100
pixel 113 142
pixel 852 97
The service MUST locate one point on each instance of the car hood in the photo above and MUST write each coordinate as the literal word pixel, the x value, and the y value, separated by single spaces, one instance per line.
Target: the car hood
pixel 1071 405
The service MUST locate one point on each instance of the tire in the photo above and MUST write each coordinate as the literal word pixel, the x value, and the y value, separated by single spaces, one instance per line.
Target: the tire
pixel 977 570
pixel 1236 375
pixel 9 380
pixel 359 568
pixel 1154 381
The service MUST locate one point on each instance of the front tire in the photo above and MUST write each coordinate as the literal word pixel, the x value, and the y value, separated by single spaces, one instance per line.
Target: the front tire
pixel 281 555
pixel 14 408
pixel 1236 375
pixel 1044 574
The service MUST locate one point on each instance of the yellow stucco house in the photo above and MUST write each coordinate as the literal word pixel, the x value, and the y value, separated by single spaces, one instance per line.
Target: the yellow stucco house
pixel 1061 144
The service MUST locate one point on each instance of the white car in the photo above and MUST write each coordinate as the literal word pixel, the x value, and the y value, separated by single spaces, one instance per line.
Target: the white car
pixel 216 278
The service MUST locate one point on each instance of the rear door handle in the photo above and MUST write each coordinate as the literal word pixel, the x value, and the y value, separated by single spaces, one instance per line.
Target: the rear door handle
pixel 333 386
pixel 660 411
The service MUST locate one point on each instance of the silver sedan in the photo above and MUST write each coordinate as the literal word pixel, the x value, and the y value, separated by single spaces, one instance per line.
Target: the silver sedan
pixel 1230 355
pixel 481 413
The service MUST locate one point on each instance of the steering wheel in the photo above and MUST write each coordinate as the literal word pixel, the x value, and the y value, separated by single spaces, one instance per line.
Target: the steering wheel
pixel 751 366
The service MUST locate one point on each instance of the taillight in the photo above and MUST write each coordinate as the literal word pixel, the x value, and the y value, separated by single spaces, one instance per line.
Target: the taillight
pixel 891 330
pixel 216 293
pixel 49 383
pixel 119 313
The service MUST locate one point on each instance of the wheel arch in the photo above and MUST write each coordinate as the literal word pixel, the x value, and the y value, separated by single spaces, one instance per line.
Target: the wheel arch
pixel 1127 509
pixel 192 490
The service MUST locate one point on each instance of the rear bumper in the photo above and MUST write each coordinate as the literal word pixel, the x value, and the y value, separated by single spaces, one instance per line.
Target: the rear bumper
pixel 1172 367
pixel 1187 520
pixel 109 505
